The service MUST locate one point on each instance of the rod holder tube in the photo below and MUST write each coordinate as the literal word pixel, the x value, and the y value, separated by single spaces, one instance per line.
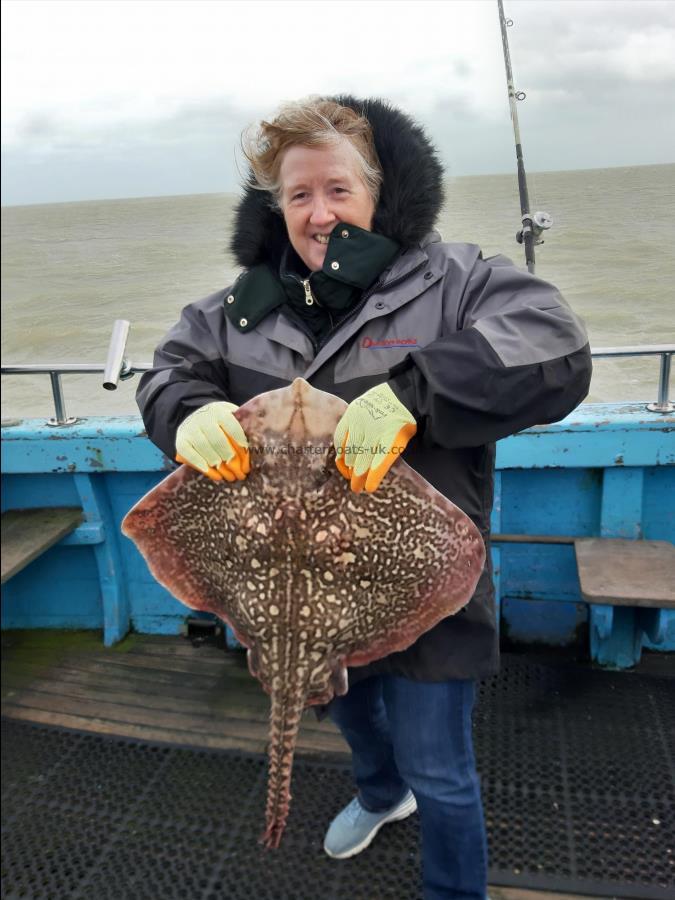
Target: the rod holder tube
pixel 115 366
pixel 59 403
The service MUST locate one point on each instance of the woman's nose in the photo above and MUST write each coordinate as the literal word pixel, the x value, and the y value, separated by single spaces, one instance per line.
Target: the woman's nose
pixel 321 212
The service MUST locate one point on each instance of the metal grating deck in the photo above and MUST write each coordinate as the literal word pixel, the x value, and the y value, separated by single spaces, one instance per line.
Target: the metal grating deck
pixel 577 768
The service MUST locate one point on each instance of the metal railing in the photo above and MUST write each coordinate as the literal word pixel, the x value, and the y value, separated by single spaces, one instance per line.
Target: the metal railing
pixel 665 351
pixel 117 367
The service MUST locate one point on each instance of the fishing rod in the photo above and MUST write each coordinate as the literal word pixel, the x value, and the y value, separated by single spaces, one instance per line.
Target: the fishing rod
pixel 532 225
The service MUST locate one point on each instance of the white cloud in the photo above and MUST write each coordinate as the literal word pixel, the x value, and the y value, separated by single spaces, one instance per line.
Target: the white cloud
pixel 633 41
pixel 647 56
pixel 88 82
pixel 99 61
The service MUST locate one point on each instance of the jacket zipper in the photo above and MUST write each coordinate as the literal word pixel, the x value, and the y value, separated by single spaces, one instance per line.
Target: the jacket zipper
pixel 297 318
pixel 309 296
pixel 311 299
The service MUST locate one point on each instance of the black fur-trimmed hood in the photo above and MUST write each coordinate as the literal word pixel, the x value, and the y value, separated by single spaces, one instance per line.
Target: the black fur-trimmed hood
pixel 410 198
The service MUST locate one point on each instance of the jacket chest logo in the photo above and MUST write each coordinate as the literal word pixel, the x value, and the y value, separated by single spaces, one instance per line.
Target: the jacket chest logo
pixel 387 343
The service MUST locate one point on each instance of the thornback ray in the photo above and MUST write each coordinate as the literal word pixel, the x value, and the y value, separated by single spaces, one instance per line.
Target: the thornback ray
pixel 310 576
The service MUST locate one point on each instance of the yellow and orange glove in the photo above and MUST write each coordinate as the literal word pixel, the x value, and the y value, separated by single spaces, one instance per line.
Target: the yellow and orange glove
pixel 212 441
pixel 370 437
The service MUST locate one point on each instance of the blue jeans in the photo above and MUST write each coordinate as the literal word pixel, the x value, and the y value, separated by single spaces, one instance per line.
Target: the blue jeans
pixel 409 734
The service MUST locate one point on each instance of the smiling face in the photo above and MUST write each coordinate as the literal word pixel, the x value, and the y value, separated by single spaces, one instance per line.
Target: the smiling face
pixel 321 186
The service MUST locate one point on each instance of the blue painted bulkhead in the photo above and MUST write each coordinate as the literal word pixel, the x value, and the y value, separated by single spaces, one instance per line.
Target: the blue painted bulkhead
pixel 607 470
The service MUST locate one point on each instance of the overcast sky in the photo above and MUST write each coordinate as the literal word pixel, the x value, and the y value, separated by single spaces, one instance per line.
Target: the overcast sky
pixel 128 98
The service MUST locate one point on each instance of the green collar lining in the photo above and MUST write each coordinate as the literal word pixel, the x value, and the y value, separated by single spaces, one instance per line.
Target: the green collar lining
pixel 354 259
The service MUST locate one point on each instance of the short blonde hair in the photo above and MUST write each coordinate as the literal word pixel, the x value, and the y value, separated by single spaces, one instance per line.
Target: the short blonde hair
pixel 313 122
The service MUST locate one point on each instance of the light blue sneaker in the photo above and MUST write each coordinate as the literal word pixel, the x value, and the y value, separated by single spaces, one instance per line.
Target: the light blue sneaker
pixel 352 830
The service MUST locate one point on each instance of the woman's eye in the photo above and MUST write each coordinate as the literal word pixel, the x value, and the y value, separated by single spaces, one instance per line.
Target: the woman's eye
pixel 298 196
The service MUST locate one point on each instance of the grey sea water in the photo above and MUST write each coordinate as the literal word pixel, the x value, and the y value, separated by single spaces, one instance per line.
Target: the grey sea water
pixel 70 269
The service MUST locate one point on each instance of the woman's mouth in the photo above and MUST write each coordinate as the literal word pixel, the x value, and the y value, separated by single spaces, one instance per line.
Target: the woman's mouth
pixel 322 238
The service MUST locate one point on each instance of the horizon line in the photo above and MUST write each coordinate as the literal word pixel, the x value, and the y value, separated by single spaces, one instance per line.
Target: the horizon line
pixel 448 176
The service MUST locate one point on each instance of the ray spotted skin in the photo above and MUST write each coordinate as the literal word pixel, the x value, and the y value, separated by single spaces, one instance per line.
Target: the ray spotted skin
pixel 310 576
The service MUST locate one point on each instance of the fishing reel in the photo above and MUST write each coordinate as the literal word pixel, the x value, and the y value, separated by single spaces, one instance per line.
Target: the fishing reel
pixel 534 225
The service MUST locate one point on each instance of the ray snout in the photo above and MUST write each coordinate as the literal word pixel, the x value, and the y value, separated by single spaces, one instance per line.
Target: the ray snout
pixel 295 415
pixel 315 412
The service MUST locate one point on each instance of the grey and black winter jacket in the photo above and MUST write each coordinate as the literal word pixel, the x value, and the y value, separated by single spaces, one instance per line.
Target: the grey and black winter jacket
pixel 475 348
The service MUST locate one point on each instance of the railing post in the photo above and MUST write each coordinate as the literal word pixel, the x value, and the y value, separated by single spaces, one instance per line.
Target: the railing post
pixel 59 403
pixel 663 405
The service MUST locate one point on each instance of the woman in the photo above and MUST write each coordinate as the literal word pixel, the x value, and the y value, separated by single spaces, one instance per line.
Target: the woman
pixel 436 350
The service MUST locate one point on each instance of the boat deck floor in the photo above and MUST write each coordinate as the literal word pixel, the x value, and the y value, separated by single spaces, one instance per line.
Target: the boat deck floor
pixel 157 688
pixel 149 687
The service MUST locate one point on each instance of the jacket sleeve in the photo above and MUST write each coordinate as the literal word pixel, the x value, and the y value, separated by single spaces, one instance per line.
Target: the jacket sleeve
pixel 188 371
pixel 516 356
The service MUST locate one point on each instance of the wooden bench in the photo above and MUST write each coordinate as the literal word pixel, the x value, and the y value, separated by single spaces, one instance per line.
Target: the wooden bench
pixel 626 584
pixel 27 533
pixel 626 573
